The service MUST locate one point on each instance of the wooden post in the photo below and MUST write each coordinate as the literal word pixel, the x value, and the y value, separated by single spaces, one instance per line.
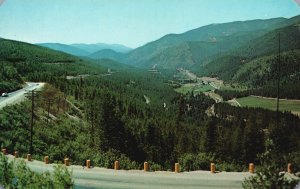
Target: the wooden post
pixel 29 157
pixel 31 124
pixel 46 159
pixel 146 166
pixel 251 167
pixel 212 168
pixel 116 165
pixel 177 168
pixel 88 163
pixel 290 168
pixel 67 161
pixel 4 151
pixel 16 154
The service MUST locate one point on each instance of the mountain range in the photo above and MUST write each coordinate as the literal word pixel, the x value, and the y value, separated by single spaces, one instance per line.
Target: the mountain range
pixel 195 46
pixel 219 50
pixel 81 49
pixel 191 49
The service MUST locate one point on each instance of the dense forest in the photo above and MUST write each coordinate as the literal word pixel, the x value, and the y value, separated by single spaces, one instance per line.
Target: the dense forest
pixel 10 80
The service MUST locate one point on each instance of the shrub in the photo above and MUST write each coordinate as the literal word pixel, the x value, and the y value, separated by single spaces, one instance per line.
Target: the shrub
pixel 192 162
pixel 107 159
pixel 16 174
pixel 269 176
pixel 229 167
pixel 62 177
pixel 154 166
pixel 293 158
pixel 6 174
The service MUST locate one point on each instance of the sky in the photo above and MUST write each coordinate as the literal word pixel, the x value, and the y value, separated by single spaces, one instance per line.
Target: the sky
pixel 129 22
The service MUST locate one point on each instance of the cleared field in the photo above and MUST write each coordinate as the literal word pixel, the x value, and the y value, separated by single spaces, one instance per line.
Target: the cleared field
pixel 195 87
pixel 270 103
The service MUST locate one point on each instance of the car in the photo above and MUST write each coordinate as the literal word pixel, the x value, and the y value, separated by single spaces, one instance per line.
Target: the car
pixel 4 95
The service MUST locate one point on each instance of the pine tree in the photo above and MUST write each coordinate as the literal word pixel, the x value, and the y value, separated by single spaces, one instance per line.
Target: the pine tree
pixel 253 140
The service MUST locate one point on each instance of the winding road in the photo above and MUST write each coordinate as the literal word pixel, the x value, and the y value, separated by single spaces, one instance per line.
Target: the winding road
pixel 19 95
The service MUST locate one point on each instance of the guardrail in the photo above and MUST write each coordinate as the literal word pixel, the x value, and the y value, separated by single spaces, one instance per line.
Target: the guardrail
pixel 116 164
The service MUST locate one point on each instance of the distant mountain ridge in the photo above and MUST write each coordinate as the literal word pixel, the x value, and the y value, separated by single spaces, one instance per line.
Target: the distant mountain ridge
pixel 107 54
pixel 92 48
pixel 65 48
pixel 82 49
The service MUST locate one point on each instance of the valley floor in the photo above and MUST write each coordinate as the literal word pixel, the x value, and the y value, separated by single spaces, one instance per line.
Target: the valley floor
pixel 207 85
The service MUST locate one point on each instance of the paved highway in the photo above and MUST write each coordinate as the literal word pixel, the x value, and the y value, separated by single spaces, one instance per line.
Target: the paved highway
pixel 99 178
pixel 18 96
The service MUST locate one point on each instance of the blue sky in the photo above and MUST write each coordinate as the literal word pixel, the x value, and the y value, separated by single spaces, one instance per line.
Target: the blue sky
pixel 129 22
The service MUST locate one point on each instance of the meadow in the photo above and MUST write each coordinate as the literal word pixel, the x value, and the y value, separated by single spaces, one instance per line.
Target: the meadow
pixel 270 103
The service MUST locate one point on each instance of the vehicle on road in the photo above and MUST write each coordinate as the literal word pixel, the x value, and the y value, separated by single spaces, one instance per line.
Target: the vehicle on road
pixel 4 95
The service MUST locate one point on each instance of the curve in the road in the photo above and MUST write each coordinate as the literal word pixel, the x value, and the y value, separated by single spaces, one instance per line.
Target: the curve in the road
pixel 19 95
pixel 137 179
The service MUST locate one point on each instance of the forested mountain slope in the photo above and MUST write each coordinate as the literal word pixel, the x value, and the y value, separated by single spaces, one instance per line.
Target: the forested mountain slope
pixel 225 36
pixel 22 60
pixel 15 54
pixel 10 79
pixel 15 51
pixel 255 64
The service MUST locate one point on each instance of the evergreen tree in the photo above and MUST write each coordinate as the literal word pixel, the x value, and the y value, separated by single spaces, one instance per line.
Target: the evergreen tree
pixel 253 140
